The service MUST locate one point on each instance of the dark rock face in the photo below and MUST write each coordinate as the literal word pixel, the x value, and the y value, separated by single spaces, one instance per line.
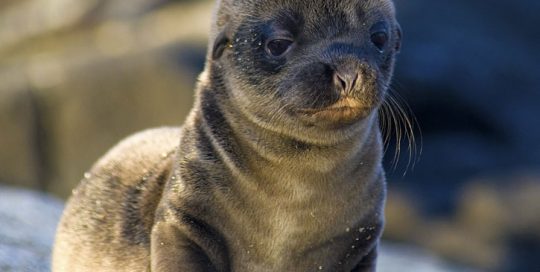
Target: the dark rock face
pixel 470 71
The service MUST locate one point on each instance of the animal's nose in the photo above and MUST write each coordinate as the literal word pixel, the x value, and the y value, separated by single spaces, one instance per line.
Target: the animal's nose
pixel 346 79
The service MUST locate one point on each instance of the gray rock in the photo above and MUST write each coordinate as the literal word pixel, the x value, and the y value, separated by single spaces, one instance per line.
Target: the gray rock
pixel 27 226
pixel 19 158
pixel 402 258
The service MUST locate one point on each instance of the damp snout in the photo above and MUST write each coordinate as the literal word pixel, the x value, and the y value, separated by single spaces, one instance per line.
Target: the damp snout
pixel 346 79
pixel 346 61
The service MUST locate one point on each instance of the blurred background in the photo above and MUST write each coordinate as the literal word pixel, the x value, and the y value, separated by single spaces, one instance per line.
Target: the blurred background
pixel 77 76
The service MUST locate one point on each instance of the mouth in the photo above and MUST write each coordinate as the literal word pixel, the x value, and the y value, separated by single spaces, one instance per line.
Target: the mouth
pixel 345 110
pixel 343 105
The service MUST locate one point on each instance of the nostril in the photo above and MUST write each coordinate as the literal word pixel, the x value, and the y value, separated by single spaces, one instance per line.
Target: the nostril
pixel 346 81
pixel 340 81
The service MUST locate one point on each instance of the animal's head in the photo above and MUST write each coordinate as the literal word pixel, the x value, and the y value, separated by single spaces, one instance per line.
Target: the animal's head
pixel 308 69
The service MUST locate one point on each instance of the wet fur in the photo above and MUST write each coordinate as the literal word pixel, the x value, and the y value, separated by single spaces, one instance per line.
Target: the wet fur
pixel 249 184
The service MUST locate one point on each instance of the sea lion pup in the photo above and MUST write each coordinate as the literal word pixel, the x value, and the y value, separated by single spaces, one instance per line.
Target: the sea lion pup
pixel 278 166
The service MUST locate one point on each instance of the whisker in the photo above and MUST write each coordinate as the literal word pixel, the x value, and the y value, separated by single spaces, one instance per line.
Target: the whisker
pixel 412 123
pixel 397 117
pixel 385 124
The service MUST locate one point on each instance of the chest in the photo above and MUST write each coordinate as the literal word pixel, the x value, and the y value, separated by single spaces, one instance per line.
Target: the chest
pixel 311 231
pixel 293 247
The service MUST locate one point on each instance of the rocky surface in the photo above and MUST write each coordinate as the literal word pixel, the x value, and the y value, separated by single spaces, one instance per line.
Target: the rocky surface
pixel 28 221
pixel 495 226
pixel 405 258
pixel 72 87
pixel 27 225
pixel 470 71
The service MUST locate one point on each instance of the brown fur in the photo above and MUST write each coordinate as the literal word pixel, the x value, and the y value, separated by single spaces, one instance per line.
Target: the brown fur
pixel 277 168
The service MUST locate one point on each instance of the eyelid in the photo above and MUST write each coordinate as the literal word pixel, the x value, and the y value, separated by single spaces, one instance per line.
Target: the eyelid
pixel 281 35
pixel 273 38
pixel 379 27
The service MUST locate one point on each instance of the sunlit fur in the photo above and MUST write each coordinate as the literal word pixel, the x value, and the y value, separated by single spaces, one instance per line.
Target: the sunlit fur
pixel 397 120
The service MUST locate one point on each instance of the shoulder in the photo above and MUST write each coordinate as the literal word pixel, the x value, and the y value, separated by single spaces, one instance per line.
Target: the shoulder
pixel 140 151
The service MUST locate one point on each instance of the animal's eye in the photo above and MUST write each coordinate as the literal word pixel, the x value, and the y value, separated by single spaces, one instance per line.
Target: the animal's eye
pixel 278 47
pixel 379 35
pixel 379 39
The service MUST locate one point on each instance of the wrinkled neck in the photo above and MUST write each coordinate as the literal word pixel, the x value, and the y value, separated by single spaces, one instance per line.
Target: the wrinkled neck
pixel 236 136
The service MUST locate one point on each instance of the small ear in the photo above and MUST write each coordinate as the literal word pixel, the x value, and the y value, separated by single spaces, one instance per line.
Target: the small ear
pixel 220 44
pixel 399 38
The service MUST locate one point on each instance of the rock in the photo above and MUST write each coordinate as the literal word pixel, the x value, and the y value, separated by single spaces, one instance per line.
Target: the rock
pixel 27 226
pixel 403 258
pixel 70 90
pixel 496 226
pixel 501 214
pixel 470 74
pixel 405 218
pixel 85 120
pixel 39 17
pixel 20 157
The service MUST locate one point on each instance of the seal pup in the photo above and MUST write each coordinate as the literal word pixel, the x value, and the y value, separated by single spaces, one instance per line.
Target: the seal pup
pixel 278 165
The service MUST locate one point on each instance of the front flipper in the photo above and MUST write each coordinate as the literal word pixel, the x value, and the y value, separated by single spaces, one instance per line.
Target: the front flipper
pixel 187 247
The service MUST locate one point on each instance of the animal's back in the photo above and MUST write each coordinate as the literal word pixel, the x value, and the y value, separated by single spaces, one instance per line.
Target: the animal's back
pixel 107 221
